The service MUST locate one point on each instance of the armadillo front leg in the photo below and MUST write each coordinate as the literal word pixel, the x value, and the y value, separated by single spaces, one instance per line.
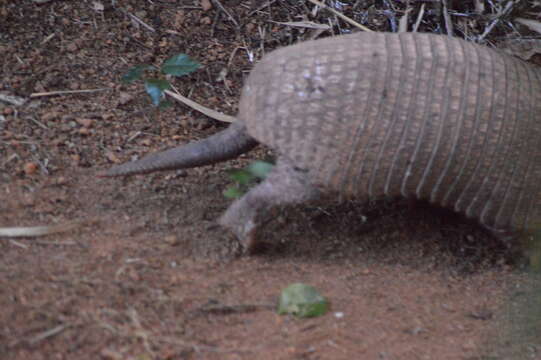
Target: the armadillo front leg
pixel 285 185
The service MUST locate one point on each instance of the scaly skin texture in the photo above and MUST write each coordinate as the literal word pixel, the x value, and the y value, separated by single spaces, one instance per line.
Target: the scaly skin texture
pixel 225 145
pixel 372 115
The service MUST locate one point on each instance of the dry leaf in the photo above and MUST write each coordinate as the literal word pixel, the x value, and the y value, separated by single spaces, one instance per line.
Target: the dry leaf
pixel 532 24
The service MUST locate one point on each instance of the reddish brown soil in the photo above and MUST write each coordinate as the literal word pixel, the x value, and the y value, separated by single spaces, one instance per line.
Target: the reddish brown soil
pixel 147 275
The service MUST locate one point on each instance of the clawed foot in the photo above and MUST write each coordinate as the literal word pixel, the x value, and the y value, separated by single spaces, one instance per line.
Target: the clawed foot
pixel 245 234
pixel 284 185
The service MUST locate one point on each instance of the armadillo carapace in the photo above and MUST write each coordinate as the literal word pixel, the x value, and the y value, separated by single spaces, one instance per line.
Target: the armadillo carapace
pixel 369 115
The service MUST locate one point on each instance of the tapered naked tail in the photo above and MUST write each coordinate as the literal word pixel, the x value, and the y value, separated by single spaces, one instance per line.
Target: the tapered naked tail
pixel 225 145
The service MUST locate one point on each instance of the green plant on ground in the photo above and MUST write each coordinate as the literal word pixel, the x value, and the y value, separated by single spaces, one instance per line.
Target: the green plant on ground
pixel 246 178
pixel 177 65
pixel 302 301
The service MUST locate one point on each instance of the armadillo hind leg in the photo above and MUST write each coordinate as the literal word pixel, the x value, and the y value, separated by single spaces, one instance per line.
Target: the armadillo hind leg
pixel 284 185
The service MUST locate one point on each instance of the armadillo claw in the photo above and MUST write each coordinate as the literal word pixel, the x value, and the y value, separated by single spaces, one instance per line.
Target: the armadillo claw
pixel 245 234
pixel 248 238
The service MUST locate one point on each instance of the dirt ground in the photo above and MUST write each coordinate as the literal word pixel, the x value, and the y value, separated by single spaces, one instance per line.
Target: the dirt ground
pixel 147 275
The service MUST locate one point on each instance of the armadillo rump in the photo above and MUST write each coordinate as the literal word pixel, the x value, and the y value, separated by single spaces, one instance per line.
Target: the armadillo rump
pixel 372 115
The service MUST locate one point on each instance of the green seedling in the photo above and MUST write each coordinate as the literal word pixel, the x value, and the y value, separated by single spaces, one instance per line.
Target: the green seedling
pixel 178 65
pixel 246 178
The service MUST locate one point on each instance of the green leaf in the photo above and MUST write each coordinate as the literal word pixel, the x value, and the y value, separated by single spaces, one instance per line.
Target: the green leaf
pixel 241 176
pixel 134 73
pixel 303 301
pixel 260 169
pixel 247 177
pixel 179 65
pixel 155 88
pixel 233 192
pixel 165 104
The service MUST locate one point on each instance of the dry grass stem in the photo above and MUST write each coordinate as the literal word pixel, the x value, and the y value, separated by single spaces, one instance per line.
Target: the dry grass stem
pixel 66 92
pixel 340 15
pixel 202 109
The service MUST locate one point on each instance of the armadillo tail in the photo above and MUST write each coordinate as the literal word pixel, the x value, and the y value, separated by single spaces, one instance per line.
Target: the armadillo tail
pixel 225 145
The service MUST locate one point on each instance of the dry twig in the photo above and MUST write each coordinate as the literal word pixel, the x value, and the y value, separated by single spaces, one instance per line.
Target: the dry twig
pixel 447 19
pixel 137 20
pixel 506 10
pixel 419 18
pixel 219 5
pixel 47 334
pixel 37 231
pixel 341 16
pixel 204 110
pixel 64 92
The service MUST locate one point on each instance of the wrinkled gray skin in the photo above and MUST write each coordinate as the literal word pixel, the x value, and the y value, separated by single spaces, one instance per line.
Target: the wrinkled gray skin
pixel 377 115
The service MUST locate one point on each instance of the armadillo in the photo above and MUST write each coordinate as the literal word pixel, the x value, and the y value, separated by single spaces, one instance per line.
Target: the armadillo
pixel 371 115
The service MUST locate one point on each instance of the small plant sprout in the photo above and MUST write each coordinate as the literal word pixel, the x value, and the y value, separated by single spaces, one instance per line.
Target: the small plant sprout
pixel 246 178
pixel 178 65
